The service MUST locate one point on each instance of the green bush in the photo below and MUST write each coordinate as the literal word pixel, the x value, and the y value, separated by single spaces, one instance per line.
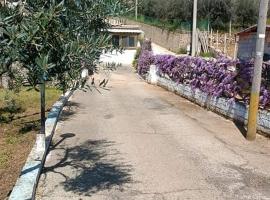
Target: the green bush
pixel 207 55
pixel 137 55
pixel 9 108
pixel 182 51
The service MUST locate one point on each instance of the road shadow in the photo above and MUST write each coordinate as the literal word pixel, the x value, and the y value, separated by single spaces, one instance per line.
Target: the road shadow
pixel 241 127
pixel 69 110
pixel 29 125
pixel 63 137
pixel 96 166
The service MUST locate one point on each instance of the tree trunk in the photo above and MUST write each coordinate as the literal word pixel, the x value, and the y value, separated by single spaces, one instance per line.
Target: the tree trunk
pixel 42 107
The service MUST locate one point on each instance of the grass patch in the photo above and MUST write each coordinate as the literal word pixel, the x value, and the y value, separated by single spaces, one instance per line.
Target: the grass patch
pixel 25 103
pixel 28 99
pixel 20 121
pixel 170 25
pixel 136 58
pixel 182 51
pixel 158 23
pixel 12 139
pixel 4 157
pixel 208 55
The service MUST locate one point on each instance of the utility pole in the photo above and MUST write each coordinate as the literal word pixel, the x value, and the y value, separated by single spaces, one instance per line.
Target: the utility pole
pixel 136 10
pixel 256 83
pixel 194 28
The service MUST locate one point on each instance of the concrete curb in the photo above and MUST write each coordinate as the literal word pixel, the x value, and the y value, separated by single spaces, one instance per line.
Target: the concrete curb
pixel 25 186
pixel 235 111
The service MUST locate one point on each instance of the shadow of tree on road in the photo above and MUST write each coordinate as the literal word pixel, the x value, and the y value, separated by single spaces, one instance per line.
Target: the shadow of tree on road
pixel 70 109
pixel 97 167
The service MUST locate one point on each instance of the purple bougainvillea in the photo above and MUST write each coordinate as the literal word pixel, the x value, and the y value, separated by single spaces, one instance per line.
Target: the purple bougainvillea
pixel 221 77
pixel 145 60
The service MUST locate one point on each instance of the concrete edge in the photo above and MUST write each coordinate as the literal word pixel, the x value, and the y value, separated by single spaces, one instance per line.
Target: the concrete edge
pixel 25 186
pixel 234 111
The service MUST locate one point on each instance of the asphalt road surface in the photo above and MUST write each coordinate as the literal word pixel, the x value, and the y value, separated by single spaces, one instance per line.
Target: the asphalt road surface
pixel 135 141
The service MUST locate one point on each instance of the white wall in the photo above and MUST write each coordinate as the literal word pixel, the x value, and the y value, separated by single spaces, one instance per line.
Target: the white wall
pixel 124 58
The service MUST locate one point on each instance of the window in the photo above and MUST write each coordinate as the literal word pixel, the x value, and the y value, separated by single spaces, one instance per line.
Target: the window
pixel 116 40
pixel 131 42
pixel 124 41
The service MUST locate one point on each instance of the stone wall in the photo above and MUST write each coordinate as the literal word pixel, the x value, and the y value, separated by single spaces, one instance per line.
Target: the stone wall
pixel 235 111
pixel 173 41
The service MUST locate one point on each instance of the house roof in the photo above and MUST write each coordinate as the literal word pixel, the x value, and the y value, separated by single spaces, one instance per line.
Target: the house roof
pixel 251 29
pixel 125 29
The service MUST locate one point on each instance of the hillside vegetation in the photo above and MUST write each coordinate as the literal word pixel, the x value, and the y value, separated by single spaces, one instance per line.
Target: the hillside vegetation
pixel 219 14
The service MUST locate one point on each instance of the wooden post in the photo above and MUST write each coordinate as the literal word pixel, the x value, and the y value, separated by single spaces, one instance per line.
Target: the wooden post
pixel 211 38
pixel 236 47
pixel 225 44
pixel 230 28
pixel 217 40
pixel 196 41
pixel 206 37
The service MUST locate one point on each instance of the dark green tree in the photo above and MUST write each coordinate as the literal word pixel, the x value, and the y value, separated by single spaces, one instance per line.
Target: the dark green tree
pixel 218 13
pixel 52 41
pixel 246 12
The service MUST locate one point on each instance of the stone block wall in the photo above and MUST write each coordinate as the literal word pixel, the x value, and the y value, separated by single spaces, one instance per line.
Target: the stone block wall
pixel 173 41
pixel 232 110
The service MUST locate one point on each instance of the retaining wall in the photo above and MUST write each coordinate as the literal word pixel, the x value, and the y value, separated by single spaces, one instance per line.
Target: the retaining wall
pixel 173 41
pixel 233 110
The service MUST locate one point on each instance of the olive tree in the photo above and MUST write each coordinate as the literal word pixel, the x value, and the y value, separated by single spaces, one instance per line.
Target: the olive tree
pixel 52 41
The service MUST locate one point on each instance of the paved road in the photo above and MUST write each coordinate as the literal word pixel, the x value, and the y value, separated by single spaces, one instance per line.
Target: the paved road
pixel 136 141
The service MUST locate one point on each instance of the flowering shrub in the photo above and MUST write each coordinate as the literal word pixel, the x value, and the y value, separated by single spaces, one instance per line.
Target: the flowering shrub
pixel 212 77
pixel 147 45
pixel 221 77
pixel 146 58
